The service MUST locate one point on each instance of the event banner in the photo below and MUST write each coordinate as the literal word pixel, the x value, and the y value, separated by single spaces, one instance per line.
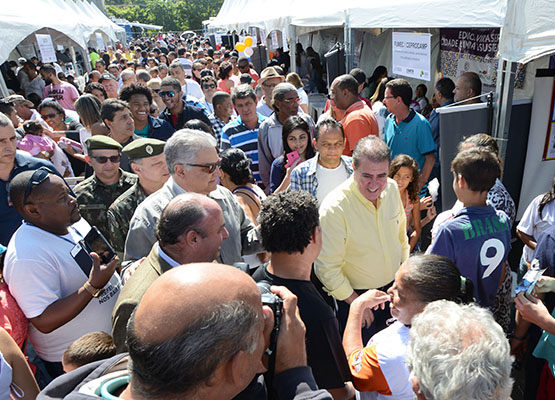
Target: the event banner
pixel 411 55
pixel 47 52
pixel 470 50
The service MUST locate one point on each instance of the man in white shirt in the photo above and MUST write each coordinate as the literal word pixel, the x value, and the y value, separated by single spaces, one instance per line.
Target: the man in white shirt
pixel 61 290
pixel 329 168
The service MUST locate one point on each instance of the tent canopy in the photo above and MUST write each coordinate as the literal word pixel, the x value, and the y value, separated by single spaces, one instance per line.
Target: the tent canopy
pixel 78 20
pixel 529 30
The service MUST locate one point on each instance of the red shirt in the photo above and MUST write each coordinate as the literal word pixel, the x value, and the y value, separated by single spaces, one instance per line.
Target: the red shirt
pixel 358 122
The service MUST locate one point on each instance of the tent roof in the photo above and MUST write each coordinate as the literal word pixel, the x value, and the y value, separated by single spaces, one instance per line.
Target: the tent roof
pixel 529 30
pixel 77 20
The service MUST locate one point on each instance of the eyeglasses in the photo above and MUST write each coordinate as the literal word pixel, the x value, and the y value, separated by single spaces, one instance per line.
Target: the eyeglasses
pixel 212 86
pixel 38 177
pixel 292 100
pixel 104 159
pixel 157 91
pixel 49 116
pixel 243 66
pixel 167 93
pixel 211 167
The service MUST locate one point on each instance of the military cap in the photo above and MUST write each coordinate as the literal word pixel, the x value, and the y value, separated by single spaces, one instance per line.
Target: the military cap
pixel 102 142
pixel 144 147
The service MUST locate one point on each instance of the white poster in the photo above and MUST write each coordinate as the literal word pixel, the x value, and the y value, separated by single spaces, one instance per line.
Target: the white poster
pixel 411 55
pixel 46 47
pixel 100 41
pixel 274 38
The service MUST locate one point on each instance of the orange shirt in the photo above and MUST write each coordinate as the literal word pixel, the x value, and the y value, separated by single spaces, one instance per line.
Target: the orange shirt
pixel 358 122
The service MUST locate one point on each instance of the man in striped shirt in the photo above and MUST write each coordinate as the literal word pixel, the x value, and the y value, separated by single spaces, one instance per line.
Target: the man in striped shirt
pixel 243 131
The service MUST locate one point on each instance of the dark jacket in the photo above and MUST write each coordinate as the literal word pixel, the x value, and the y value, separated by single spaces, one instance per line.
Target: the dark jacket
pixel 159 129
pixel 188 113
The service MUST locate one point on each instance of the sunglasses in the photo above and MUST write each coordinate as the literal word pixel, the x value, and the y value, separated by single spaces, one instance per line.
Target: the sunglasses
pixel 293 100
pixel 38 177
pixel 212 86
pixel 211 167
pixel 49 116
pixel 167 93
pixel 243 66
pixel 104 159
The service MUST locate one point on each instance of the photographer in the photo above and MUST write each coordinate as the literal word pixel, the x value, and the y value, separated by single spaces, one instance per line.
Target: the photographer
pixel 200 332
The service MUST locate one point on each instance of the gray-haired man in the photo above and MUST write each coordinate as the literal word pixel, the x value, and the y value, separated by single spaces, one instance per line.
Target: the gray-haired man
pixel 193 163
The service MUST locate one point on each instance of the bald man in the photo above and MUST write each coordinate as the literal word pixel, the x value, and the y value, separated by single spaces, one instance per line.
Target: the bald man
pixel 468 86
pixel 200 332
pixel 190 229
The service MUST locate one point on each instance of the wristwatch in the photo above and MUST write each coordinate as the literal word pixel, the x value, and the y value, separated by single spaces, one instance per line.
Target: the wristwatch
pixel 95 292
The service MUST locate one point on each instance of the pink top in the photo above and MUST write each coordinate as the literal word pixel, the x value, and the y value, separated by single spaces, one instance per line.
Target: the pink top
pixel 64 93
pixel 12 318
pixel 35 144
pixel 408 209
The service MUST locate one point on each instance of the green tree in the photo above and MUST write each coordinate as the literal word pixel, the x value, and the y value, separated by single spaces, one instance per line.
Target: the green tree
pixel 171 14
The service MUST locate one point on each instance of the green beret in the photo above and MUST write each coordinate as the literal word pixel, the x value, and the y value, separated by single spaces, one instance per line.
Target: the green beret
pixel 144 147
pixel 102 142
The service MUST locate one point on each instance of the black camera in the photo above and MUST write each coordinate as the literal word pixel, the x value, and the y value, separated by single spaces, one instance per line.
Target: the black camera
pixel 276 304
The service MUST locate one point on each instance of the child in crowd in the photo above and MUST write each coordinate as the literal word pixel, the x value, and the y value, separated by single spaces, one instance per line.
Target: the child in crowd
pixel 88 348
pixel 404 170
pixel 40 145
pixel 478 238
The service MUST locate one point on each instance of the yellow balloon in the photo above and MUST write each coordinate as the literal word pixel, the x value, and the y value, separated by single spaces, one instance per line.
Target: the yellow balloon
pixel 240 46
pixel 248 41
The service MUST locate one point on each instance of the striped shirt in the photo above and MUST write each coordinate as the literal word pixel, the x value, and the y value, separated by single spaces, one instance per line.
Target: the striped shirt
pixel 237 134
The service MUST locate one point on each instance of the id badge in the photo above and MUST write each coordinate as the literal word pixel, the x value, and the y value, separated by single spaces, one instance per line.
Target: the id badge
pixel 82 258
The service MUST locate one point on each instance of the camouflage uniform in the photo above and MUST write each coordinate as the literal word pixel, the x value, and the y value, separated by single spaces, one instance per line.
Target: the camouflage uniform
pixel 94 198
pixel 120 213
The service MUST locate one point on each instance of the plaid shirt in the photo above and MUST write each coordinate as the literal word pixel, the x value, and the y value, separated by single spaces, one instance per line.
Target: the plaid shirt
pixel 303 177
pixel 217 127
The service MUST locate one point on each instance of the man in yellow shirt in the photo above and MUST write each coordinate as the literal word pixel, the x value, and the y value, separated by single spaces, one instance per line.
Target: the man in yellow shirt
pixel 363 231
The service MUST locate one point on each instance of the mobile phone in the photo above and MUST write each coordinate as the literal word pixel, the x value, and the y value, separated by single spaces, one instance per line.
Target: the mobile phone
pixel 530 278
pixel 96 242
pixel 291 158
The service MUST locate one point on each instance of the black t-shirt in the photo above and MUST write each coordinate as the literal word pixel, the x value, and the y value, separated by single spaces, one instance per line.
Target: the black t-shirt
pixel 324 350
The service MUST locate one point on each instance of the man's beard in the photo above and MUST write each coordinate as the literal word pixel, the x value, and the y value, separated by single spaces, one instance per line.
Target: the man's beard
pixel 48 81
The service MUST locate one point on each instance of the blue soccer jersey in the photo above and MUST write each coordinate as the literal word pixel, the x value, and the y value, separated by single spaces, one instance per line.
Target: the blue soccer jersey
pixel 478 240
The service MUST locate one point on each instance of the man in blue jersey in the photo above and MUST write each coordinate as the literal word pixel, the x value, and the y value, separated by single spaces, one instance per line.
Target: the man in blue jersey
pixel 478 238
pixel 243 131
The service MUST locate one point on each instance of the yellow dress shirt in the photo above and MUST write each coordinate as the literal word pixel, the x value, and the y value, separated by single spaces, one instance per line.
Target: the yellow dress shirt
pixel 362 247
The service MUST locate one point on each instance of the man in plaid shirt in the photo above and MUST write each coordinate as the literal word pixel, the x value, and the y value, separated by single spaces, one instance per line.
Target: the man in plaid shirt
pixel 223 110
pixel 329 168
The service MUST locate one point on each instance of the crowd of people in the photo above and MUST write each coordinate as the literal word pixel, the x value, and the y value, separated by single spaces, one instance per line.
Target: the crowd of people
pixel 248 251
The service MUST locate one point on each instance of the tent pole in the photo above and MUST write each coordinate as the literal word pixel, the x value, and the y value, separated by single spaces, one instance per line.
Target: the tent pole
pixel 292 48
pixel 3 87
pixel 347 46
pixel 506 74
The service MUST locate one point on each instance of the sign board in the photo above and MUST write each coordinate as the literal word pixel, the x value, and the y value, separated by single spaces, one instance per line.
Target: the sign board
pixel 275 39
pixel 46 47
pixel 411 55
pixel 100 41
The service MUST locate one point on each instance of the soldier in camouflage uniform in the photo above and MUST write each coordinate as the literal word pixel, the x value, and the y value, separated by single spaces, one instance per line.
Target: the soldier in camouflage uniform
pixel 109 181
pixel 147 160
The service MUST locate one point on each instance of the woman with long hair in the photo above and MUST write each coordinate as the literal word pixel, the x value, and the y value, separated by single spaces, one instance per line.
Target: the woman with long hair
pixel 295 135
pixel 225 72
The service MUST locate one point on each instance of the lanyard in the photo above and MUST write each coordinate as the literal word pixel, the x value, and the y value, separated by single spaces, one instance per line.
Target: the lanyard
pixel 58 236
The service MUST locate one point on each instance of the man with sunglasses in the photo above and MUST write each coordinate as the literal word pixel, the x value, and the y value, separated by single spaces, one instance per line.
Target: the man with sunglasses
pixel 177 112
pixel 193 164
pixel 139 98
pixel 209 86
pixel 11 164
pixel 96 193
pixel 62 292
pixel 245 68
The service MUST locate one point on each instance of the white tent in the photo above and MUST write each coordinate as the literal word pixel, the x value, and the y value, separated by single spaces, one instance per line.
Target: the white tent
pixel 77 20
pixel 528 31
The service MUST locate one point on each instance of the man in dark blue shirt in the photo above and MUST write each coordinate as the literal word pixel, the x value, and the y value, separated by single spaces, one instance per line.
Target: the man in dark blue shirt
pixel 12 164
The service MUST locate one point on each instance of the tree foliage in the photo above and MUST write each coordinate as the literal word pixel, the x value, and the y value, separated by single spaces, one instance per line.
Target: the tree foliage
pixel 174 15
